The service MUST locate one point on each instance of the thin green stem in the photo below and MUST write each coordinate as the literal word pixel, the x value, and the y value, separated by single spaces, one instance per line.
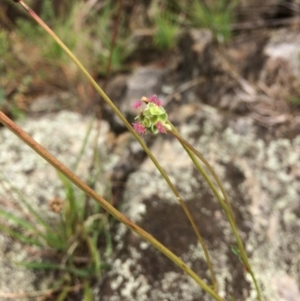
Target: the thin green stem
pixel 191 150
pixel 127 124
pixel 223 202
pixel 106 205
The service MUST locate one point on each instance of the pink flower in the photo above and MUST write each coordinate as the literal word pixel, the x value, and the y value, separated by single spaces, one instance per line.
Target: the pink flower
pixel 139 128
pixel 137 104
pixel 154 99
pixel 160 127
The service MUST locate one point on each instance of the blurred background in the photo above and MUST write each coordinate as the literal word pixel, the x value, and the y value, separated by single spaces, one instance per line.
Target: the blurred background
pixel 116 37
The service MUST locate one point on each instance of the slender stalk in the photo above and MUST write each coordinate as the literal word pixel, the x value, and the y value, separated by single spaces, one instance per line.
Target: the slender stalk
pixel 191 150
pixel 223 202
pixel 127 124
pixel 109 208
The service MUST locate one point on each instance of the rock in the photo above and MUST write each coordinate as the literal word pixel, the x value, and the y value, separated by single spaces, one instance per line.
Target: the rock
pixel 44 104
pixel 281 71
pixel 144 82
pixel 50 103
pixel 261 179
pixel 256 176
pixel 62 134
pixel 286 287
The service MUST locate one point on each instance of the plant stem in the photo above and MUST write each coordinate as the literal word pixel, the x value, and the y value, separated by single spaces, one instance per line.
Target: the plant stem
pixel 108 207
pixel 127 124
pixel 223 202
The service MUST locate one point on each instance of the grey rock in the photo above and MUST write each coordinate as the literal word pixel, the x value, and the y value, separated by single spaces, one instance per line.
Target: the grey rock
pixel 35 180
pixel 51 103
pixel 144 82
pixel 281 71
pixel 257 177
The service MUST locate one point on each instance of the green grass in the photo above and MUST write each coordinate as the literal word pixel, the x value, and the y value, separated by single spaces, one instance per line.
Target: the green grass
pixel 86 32
pixel 215 15
pixel 78 239
pixel 218 17
pixel 167 31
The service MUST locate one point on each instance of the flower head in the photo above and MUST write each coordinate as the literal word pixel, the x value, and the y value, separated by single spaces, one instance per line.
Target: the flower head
pixel 153 118
pixel 139 128
pixel 154 99
pixel 137 104
pixel 160 127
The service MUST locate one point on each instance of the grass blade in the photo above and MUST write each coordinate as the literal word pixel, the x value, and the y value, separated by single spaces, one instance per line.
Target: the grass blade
pixel 22 238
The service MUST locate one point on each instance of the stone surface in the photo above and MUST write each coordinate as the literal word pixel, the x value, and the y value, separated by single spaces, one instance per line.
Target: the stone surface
pixel 260 178
pixel 260 175
pixel 51 103
pixel 281 71
pixel 62 134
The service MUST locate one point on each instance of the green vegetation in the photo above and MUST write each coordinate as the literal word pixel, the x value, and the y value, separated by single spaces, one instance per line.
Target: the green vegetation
pixel 88 29
pixel 217 17
pixel 75 235
pixel 166 24
pixel 173 17
pixel 85 30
